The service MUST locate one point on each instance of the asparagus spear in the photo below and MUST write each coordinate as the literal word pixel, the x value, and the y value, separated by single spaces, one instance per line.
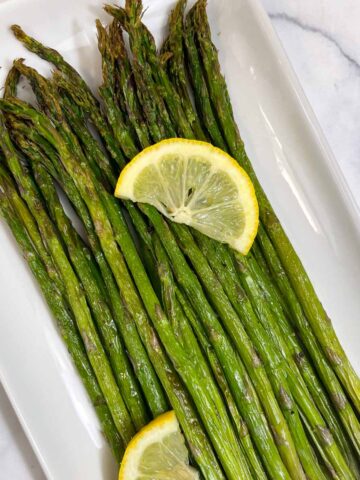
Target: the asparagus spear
pixel 107 91
pixel 110 46
pixel 11 82
pixel 279 375
pixel 125 84
pixel 143 368
pixel 157 402
pixel 178 309
pixel 318 392
pixel 150 97
pixel 180 341
pixel 298 277
pixel 94 153
pixel 327 375
pixel 10 88
pixel 139 359
pixel 227 457
pixel 275 355
pixel 76 296
pixel 84 181
pixel 37 240
pixel 90 147
pixel 198 84
pixel 174 59
pixel 310 463
pixel 299 389
pixel 256 251
pixel 121 367
pixel 202 97
pixel 173 102
pixel 135 54
pixel 59 308
pixel 65 69
pixel 233 368
pixel 158 318
pixel 144 49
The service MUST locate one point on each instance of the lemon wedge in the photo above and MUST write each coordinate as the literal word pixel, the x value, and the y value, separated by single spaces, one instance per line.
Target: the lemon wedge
pixel 158 452
pixel 197 184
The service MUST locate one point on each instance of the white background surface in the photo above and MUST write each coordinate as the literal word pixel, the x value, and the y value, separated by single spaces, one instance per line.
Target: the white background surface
pixel 321 41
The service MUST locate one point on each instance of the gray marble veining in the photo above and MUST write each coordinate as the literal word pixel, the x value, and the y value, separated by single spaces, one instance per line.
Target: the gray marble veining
pixel 322 41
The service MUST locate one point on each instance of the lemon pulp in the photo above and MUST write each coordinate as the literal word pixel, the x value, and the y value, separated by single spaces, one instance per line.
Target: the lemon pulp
pixel 196 184
pixel 158 452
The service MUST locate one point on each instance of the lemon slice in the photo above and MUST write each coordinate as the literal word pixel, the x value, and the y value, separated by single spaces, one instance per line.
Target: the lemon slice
pixel 197 184
pixel 158 452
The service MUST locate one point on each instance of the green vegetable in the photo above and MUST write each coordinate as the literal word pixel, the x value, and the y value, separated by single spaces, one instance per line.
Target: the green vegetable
pixel 58 306
pixel 75 295
pixel 297 275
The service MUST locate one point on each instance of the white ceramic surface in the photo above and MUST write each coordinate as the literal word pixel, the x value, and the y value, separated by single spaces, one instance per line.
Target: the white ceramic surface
pixel 292 160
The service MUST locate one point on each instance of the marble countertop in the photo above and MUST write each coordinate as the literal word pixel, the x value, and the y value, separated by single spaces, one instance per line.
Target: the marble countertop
pixel 321 40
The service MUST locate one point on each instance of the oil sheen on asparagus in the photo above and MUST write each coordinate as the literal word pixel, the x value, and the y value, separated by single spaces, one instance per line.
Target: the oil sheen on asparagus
pixel 155 315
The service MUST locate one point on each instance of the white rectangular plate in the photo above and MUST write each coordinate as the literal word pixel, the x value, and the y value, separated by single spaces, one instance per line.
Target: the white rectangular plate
pixel 293 162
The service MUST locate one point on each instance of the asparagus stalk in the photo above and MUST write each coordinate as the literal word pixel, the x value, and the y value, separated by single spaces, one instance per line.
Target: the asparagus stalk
pixel 135 54
pixel 233 368
pixel 202 97
pixel 45 94
pixel 299 389
pixel 81 99
pixel 298 277
pixel 84 181
pixel 276 357
pixel 94 153
pixel 59 308
pixel 36 239
pixel 172 99
pixel 256 251
pixel 229 460
pixel 150 98
pixel 156 402
pixel 158 318
pixel 122 369
pixel 199 83
pixel 177 307
pixel 107 91
pixel 276 370
pixel 139 358
pixel 11 82
pixel 50 55
pixel 125 84
pixel 314 385
pixel 66 70
pixel 174 59
pixel 76 296
pixel 309 463
pixel 10 89
pixel 180 341
pixel 327 375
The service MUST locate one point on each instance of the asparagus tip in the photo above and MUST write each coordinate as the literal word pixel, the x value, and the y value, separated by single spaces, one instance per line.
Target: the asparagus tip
pixel 101 35
pixel 18 32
